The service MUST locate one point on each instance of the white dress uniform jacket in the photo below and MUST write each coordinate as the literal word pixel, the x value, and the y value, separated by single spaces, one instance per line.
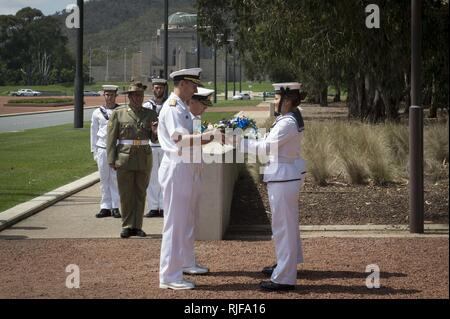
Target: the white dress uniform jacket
pixel 154 192
pixel 284 175
pixel 180 182
pixel 108 178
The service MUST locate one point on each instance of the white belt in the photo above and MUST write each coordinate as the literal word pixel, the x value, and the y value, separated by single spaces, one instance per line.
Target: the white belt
pixel 134 142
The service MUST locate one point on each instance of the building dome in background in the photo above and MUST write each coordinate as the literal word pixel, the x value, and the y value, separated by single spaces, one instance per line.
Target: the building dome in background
pixel 182 19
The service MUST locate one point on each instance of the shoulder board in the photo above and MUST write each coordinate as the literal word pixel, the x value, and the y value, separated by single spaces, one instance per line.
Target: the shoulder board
pixel 120 107
pixel 173 102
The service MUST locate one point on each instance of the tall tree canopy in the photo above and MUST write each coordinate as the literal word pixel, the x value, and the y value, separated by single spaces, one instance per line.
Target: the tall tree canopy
pixel 33 49
pixel 322 43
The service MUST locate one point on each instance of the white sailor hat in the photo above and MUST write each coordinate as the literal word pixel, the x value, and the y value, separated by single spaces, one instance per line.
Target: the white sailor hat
pixel 282 88
pixel 192 75
pixel 159 81
pixel 203 96
pixel 110 87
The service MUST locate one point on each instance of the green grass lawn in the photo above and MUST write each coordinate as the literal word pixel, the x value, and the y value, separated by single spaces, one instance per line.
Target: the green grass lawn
pixel 41 101
pixel 40 160
pixel 216 117
pixel 223 103
pixel 37 161
pixel 246 86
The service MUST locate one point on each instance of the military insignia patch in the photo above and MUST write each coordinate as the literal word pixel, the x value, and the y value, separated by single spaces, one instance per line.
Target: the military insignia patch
pixel 173 102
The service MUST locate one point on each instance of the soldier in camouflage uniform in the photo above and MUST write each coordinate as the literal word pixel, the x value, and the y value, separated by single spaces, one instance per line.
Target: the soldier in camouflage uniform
pixel 129 130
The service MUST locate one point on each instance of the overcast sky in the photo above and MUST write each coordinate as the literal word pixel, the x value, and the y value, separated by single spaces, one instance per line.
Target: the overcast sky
pixel 46 6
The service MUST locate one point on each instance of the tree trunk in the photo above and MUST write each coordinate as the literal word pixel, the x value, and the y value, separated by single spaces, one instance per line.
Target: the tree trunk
pixel 337 96
pixel 407 94
pixel 324 96
pixel 433 104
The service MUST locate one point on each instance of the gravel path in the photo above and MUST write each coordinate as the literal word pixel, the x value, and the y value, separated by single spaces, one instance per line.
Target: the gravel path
pixel 335 268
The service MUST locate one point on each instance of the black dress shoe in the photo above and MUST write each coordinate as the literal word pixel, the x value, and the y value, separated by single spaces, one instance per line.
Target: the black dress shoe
pixel 152 213
pixel 272 286
pixel 115 213
pixel 139 233
pixel 103 213
pixel 269 270
pixel 126 233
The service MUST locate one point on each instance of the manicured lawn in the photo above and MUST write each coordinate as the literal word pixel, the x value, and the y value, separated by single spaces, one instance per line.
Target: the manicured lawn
pixel 246 86
pixel 222 103
pixel 41 101
pixel 216 117
pixel 39 160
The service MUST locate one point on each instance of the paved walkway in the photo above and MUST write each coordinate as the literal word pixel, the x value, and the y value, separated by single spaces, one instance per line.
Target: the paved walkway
pixel 74 217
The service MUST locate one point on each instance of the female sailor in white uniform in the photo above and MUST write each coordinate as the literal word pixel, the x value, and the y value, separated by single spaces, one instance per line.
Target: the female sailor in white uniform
pixel 284 176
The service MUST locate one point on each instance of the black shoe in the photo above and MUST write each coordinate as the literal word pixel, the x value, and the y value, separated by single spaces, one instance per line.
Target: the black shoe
pixel 126 233
pixel 139 233
pixel 272 286
pixel 115 212
pixel 152 213
pixel 103 213
pixel 269 270
pixel 161 213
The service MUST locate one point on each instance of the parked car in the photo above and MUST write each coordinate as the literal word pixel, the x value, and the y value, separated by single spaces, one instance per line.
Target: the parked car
pixel 269 94
pixel 91 93
pixel 26 92
pixel 242 96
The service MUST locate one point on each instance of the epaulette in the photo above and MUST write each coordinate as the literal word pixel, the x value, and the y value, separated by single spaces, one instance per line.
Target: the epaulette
pixel 172 102
pixel 120 107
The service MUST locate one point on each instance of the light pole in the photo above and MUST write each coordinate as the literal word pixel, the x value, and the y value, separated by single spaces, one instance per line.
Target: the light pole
pixel 215 73
pixel 198 46
pixel 240 73
pixel 416 219
pixel 228 39
pixel 226 71
pixel 90 65
pixel 140 67
pixel 125 65
pixel 107 65
pixel 79 82
pixel 166 38
pixel 234 71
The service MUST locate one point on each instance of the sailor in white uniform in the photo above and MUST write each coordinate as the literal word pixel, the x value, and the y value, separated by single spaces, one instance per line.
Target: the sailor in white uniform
pixel 110 201
pixel 284 176
pixel 154 192
pixel 179 177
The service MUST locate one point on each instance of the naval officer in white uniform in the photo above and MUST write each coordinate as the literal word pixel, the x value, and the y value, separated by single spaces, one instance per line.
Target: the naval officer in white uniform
pixel 110 201
pixel 154 192
pixel 284 176
pixel 179 176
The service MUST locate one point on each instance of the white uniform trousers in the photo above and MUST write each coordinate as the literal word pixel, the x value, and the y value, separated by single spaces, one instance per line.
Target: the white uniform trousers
pixel 181 186
pixel 283 198
pixel 154 192
pixel 108 181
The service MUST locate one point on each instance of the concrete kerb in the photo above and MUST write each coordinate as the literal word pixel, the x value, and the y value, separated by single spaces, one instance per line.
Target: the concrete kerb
pixel 340 231
pixel 27 209
pixel 44 112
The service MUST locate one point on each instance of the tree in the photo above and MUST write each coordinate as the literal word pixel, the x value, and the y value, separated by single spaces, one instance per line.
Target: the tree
pixel 322 43
pixel 33 47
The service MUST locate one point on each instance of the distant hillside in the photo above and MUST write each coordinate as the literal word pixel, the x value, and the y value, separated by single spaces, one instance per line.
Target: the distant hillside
pixel 117 24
